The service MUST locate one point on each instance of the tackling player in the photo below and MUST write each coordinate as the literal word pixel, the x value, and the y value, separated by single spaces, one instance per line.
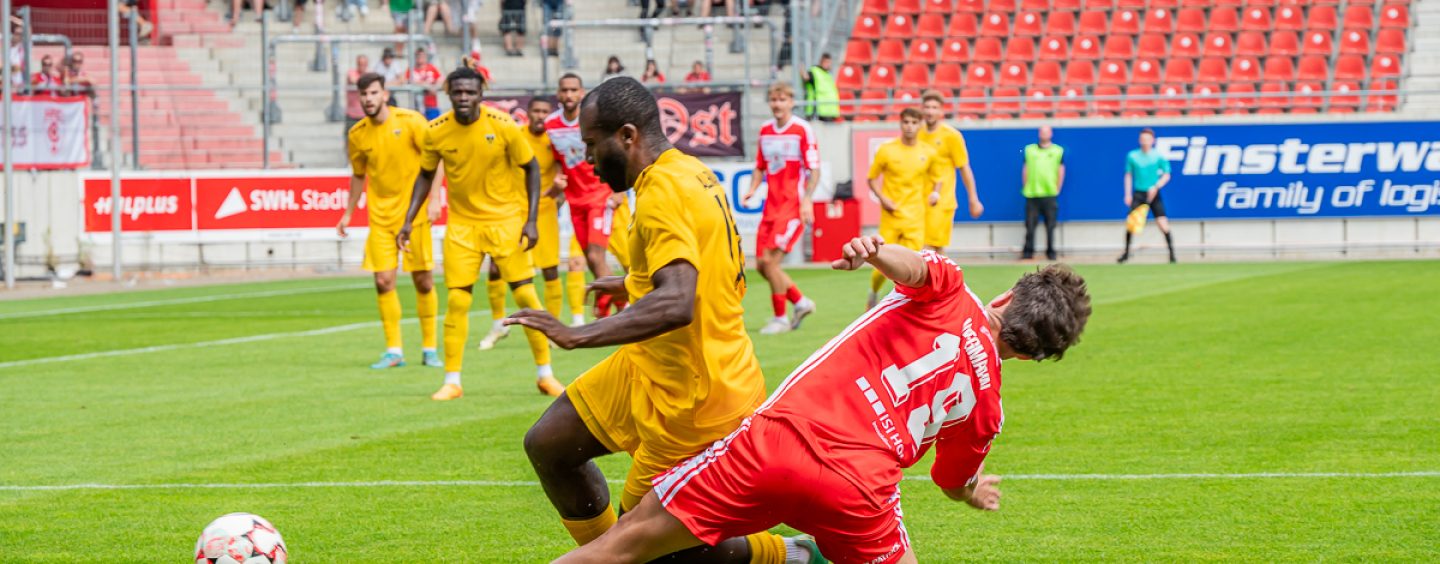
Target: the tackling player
pixel 491 172
pixel 911 172
pixel 385 149
pixel 685 374
pixel 950 149
pixel 826 452
pixel 787 159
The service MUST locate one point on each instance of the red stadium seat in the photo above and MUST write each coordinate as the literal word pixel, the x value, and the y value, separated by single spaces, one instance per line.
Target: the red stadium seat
pixel 847 110
pixel 1219 45
pixel 1240 97
pixel 1284 43
pixel 1035 5
pixel 1152 46
pixel 877 107
pixel 867 27
pixel 1386 102
pixel 1196 3
pixel 1020 50
pixel 1224 19
pixel 1250 43
pixel 1279 69
pixel 1228 3
pixel 1314 68
pixel 1028 24
pixel 1185 45
pixel 1114 72
pixel 1007 6
pixel 1060 23
pixel 1094 22
pixel 1125 22
pixel 875 7
pixel 881 77
pixel 987 50
pixel 1054 49
pixel 1014 74
pixel 1390 41
pixel 930 26
pixel 900 26
pixel 904 99
pixel 1213 69
pixel 1099 4
pixel 1191 20
pixel 949 77
pixel 1107 105
pixel 1130 4
pixel 1007 107
pixel 1261 3
pixel 1395 16
pixel 923 51
pixel 1138 98
pixel 1289 18
pixel 1317 43
pixel 1255 19
pixel 1159 20
pixel 1179 71
pixel 1041 100
pixel 1119 47
pixel 980 75
pixel 941 7
pixel 915 75
pixel 1385 66
pixel 1070 99
pixel 963 26
pixel 1359 17
pixel 1079 73
pixel 1065 6
pixel 850 77
pixel 1322 18
pixel 1273 95
pixel 1087 48
pixel 1206 97
pixel 890 52
pixel 1341 103
pixel 911 7
pixel 859 52
pixel 969 6
pixel 1147 71
pixel 1047 74
pixel 1304 97
pixel 1354 42
pixel 995 24
pixel 972 101
pixel 1245 69
pixel 1168 4
pixel 955 51
pixel 1173 98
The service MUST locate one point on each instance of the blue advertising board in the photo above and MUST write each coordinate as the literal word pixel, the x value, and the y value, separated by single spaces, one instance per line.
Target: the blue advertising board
pixel 1260 171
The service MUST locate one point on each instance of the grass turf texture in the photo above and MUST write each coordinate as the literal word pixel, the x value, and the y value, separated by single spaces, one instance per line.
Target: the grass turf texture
pixel 1222 368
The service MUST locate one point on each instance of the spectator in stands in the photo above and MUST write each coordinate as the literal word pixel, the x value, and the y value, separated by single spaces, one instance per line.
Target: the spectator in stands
pixel 439 9
pixel 645 9
pixel 1041 178
pixel 652 74
pixel 473 61
pixel 348 9
pixel 426 76
pixel 17 58
pixel 76 82
pixel 392 69
pixel 550 37
pixel 400 11
pixel 613 68
pixel 237 6
pixel 512 26
pixel 128 7
pixel 705 6
pixel 1146 172
pixel 48 80
pixel 471 17
pixel 698 74
pixel 820 91
pixel 353 111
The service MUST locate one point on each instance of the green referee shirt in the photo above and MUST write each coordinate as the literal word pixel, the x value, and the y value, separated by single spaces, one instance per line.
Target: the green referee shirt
pixel 1042 170
pixel 1146 168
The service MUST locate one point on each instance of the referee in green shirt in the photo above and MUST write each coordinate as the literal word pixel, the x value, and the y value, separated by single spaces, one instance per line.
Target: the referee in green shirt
pixel 1042 177
pixel 1146 172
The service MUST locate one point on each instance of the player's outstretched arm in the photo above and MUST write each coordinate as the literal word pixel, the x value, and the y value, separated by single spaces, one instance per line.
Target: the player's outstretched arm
pixel 899 264
pixel 417 201
pixel 670 306
pixel 984 494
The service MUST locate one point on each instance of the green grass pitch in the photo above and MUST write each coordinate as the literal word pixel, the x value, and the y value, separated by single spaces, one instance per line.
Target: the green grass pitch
pixel 1227 370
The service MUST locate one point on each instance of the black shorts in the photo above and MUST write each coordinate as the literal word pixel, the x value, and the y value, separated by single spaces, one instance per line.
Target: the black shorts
pixel 512 21
pixel 1157 207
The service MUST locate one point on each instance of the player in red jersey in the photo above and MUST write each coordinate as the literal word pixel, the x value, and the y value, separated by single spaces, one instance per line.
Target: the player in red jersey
pixel 790 164
pixel 825 453
pixel 594 207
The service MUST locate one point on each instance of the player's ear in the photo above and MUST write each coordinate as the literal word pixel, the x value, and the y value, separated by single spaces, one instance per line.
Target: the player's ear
pixel 1002 300
pixel 629 134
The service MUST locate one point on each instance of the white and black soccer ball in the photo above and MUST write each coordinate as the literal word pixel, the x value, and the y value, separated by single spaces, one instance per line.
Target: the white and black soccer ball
pixel 240 538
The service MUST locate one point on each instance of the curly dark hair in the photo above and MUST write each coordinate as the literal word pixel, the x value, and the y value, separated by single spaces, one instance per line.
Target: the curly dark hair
pixel 1047 312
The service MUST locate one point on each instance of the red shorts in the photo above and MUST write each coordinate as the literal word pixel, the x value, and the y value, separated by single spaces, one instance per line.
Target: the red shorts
pixel 765 474
pixel 778 233
pixel 592 225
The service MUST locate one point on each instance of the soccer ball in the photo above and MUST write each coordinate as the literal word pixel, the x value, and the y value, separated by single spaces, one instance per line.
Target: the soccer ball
pixel 240 538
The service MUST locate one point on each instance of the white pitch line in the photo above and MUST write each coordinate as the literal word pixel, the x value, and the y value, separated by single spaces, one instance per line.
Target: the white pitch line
pixel 178 301
pixel 531 483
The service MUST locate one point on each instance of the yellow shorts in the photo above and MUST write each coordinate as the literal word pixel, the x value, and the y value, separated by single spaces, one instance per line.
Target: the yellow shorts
pixel 546 253
pixel 612 402
pixel 939 224
pixel 466 247
pixel 382 254
pixel 620 235
pixel 908 234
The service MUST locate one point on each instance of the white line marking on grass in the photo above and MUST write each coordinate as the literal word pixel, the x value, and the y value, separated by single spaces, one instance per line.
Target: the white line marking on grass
pixel 531 483
pixel 178 301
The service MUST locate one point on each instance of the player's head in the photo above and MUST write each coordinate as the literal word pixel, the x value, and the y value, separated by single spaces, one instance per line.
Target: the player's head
pixel 569 91
pixel 825 61
pixel 1043 314
pixel 422 57
pixel 464 86
pixel 538 109
pixel 933 102
pixel 620 125
pixel 782 100
pixel 1046 134
pixel 373 96
pixel 910 120
pixel 1147 138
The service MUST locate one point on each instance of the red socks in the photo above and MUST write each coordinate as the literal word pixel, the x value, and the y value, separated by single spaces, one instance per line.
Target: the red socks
pixel 793 294
pixel 778 302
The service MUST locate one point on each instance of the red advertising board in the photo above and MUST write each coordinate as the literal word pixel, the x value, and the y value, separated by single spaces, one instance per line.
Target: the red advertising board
pixel 148 204
pixel 272 202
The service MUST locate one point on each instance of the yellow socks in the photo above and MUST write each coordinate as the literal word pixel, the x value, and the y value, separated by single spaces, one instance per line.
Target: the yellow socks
pixel 575 285
pixel 539 345
pixel 496 290
pixel 457 328
pixel 590 529
pixel 876 281
pixel 766 548
pixel 390 318
pixel 553 297
pixel 427 305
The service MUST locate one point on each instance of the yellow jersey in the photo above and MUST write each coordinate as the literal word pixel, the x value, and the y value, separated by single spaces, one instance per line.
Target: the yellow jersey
pixel 545 157
pixel 389 154
pixel 949 147
pixel 705 372
pixel 483 163
pixel 910 172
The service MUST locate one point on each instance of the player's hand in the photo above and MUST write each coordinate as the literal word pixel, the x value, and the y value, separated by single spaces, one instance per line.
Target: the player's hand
pixel 561 182
pixel 857 251
pixel 745 200
pixel 541 320
pixel 340 227
pixel 1128 201
pixel 432 211
pixel 402 239
pixel 934 198
pixel 615 200
pixel 528 235
pixel 608 285
pixel 887 205
pixel 807 211
pixel 987 493
pixel 976 208
pixel 1150 197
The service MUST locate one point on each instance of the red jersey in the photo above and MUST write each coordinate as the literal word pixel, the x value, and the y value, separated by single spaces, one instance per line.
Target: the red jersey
pixel 427 74
pixel 787 155
pixel 584 189
pixel 921 368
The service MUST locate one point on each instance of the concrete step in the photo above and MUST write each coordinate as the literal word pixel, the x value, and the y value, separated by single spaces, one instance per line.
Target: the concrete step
pixel 199 144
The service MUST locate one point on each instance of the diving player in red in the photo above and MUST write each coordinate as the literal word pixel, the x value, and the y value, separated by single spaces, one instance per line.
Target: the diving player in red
pixel 825 453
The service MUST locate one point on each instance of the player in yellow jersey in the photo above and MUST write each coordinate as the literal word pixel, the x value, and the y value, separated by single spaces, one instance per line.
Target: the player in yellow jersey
pixel 385 149
pixel 492 174
pixel 911 174
pixel 685 374
pixel 546 254
pixel 954 158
